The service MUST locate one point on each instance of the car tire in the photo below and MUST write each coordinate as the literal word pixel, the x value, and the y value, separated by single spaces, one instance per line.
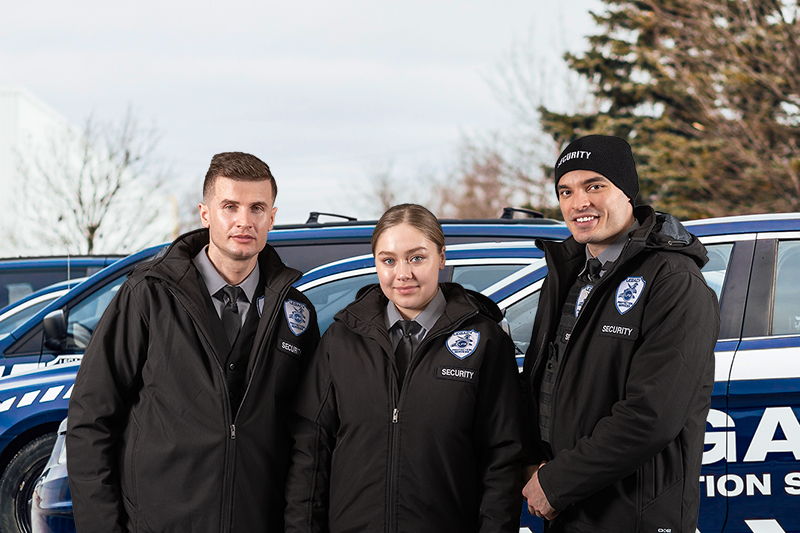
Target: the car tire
pixel 18 480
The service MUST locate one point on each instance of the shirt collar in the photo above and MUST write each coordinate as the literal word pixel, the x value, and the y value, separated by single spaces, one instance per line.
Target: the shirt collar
pixel 427 318
pixel 214 282
pixel 613 250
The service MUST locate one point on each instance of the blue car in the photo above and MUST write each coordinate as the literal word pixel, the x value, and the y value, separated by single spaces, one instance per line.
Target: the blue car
pixel 46 347
pixel 20 277
pixel 750 479
pixel 17 313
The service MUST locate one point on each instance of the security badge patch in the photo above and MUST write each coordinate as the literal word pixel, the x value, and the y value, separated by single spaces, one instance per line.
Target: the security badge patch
pixel 463 343
pixel 582 299
pixel 628 293
pixel 297 315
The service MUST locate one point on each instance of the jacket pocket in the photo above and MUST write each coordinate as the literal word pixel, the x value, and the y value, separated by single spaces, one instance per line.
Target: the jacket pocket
pixel 664 513
pixel 128 473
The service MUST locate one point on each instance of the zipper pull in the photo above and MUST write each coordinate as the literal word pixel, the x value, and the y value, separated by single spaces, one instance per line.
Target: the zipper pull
pixel 233 431
pixel 395 413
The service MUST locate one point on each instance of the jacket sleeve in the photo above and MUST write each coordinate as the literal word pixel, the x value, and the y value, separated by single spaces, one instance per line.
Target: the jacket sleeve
pixel 670 378
pixel 109 371
pixel 534 454
pixel 314 426
pixel 498 438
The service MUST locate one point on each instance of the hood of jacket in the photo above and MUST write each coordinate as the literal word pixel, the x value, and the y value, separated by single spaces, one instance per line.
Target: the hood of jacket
pixel 365 314
pixel 657 232
pixel 173 263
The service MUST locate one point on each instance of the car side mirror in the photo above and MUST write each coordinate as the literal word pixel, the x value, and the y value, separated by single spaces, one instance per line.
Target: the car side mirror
pixel 505 325
pixel 55 329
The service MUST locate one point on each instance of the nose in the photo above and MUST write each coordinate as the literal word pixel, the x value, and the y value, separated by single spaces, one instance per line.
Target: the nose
pixel 244 219
pixel 403 270
pixel 579 200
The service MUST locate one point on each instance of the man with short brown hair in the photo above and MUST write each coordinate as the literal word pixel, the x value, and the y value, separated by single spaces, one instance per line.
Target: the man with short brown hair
pixel 177 421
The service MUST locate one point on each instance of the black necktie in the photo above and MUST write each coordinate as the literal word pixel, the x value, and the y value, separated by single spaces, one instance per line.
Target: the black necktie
pixel 593 268
pixel 404 350
pixel 231 321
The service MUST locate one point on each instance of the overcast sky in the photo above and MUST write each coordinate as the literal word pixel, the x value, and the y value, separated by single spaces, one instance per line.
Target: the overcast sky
pixel 326 93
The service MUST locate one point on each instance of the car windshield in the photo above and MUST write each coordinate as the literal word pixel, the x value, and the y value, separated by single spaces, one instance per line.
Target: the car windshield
pixel 12 320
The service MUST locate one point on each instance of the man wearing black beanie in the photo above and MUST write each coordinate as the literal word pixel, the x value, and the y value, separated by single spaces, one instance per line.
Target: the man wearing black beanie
pixel 619 372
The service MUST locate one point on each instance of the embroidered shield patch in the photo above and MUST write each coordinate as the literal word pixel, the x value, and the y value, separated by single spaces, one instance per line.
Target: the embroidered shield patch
pixel 582 299
pixel 297 315
pixel 628 293
pixel 463 343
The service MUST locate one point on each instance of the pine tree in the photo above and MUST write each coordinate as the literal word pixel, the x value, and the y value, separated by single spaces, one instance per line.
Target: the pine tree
pixel 707 92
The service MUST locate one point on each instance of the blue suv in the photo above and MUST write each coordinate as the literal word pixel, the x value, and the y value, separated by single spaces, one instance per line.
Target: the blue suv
pixel 38 359
pixel 20 277
pixel 750 479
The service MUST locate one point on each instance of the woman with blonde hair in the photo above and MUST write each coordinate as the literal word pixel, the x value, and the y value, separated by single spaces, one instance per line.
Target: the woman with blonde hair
pixel 408 416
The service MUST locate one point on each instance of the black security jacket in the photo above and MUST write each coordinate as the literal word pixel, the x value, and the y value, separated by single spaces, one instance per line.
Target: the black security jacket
pixel 442 455
pixel 152 441
pixel 633 391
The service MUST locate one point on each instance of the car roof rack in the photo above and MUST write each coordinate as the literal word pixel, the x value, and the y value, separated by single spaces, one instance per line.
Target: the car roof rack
pixel 507 215
pixel 508 212
pixel 313 217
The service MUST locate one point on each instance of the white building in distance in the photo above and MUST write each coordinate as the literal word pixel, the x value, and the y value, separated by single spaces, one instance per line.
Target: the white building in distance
pixel 33 132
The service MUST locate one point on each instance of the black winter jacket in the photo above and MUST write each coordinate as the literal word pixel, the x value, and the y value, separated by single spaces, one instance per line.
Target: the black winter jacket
pixel 442 455
pixel 633 391
pixel 152 442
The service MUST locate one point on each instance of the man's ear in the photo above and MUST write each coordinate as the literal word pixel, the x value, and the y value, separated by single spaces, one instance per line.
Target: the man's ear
pixel 204 214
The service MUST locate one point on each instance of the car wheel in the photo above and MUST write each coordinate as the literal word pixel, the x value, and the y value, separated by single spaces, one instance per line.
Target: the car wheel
pixel 17 482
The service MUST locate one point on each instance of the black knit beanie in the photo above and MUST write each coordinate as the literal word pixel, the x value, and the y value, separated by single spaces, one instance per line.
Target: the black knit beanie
pixel 610 156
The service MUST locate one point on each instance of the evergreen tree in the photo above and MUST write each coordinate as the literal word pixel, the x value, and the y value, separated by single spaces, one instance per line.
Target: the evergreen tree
pixel 707 92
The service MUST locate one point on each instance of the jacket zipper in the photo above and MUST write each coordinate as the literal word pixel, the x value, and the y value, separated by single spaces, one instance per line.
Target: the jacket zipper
pixel 230 418
pixel 227 498
pixel 566 349
pixel 267 333
pixel 397 401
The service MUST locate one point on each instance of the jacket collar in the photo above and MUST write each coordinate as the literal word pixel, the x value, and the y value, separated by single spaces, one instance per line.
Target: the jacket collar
pixel 176 262
pixel 175 268
pixel 365 316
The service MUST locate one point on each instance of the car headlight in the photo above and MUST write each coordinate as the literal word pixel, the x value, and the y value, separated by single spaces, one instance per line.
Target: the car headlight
pixel 62 453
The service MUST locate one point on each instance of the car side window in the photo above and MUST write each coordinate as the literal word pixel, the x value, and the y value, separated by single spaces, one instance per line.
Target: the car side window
pixel 520 317
pixel 83 318
pixel 719 257
pixel 479 277
pixel 786 305
pixel 332 297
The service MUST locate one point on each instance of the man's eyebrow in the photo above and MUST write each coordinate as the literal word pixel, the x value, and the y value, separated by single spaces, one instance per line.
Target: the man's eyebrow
pixel 587 181
pixel 595 178
pixel 235 202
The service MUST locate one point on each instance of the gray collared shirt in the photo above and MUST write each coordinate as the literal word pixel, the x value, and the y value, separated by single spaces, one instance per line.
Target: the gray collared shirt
pixel 427 318
pixel 611 253
pixel 215 283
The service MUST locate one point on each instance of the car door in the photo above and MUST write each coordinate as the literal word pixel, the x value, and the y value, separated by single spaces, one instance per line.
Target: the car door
pixel 331 293
pixel 761 484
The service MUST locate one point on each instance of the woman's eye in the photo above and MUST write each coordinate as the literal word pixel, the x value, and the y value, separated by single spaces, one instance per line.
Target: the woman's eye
pixel 388 262
pixel 416 259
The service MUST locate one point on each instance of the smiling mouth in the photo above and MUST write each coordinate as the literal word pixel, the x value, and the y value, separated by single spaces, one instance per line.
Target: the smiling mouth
pixel 587 218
